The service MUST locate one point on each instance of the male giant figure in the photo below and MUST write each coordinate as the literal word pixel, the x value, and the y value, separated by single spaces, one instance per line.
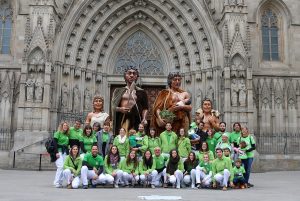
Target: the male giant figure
pixel 129 103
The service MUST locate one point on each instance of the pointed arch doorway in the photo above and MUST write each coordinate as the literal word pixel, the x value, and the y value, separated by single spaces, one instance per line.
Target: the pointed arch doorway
pixel 142 52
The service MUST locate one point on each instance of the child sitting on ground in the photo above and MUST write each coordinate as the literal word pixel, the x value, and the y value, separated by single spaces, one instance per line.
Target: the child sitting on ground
pixel 238 172
pixel 205 172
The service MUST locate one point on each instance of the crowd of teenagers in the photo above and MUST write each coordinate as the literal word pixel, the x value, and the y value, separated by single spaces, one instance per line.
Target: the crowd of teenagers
pixel 195 158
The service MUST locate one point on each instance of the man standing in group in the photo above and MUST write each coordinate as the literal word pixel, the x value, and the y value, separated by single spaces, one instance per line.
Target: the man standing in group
pixel 129 103
pixel 75 133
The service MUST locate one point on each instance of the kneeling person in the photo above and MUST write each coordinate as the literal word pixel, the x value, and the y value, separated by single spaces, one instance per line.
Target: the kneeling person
pixel 92 168
pixel 222 170
pixel 72 167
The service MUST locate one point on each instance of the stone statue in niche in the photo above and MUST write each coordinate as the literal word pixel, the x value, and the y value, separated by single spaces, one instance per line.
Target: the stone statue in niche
pixel 30 87
pixel 210 94
pixel 242 93
pixel 39 88
pixel 76 99
pixel 65 97
pixel 87 99
pixel 199 98
pixel 233 71
pixel 234 93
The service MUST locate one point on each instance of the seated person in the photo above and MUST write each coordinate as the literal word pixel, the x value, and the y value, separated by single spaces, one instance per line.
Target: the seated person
pixel 92 168
pixel 238 172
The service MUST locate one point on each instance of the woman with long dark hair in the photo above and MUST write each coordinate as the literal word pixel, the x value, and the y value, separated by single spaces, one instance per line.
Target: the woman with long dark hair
pixel 72 167
pixel 147 169
pixel 112 166
pixel 130 169
pixel 87 140
pixel 174 170
pixel 190 165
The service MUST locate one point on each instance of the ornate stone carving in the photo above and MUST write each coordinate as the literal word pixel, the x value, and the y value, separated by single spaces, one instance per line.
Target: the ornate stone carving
pixel 210 93
pixel 87 100
pixel 64 97
pixel 265 95
pixel 234 93
pixel 141 52
pixel 30 88
pixel 242 93
pixel 278 95
pixel 76 99
pixel 39 89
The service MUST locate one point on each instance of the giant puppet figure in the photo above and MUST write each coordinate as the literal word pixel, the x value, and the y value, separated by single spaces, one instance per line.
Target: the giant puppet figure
pixel 129 103
pixel 173 100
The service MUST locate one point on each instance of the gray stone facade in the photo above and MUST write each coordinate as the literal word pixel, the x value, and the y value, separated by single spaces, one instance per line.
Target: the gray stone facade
pixel 63 52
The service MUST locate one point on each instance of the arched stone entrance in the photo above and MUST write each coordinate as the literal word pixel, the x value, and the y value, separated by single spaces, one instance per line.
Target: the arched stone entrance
pixel 179 35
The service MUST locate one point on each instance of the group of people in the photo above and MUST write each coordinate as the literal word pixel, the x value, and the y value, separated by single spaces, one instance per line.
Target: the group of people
pixel 176 151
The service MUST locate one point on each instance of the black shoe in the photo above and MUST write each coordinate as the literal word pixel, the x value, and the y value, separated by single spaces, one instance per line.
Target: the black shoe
pixel 94 185
pixel 250 185
pixel 85 187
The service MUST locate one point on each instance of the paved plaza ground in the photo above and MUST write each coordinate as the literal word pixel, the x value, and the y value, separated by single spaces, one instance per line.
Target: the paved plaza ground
pixel 36 186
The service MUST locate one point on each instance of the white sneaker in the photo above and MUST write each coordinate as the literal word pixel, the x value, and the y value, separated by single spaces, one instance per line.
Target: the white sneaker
pixel 152 186
pixel 116 186
pixel 58 186
pixel 193 186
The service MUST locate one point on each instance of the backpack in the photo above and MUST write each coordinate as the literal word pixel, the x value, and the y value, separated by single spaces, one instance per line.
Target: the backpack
pixel 49 145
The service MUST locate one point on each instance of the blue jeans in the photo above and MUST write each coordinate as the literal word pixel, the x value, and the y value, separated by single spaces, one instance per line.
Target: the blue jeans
pixel 239 180
pixel 247 165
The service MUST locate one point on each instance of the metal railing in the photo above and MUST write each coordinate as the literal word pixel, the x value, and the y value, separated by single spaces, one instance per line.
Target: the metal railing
pixel 36 159
pixel 278 143
pixel 6 139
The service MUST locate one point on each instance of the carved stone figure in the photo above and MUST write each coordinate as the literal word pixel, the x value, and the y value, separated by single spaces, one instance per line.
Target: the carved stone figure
pixel 242 93
pixel 39 88
pixel 87 99
pixel 234 93
pixel 30 87
pixel 65 96
pixel 76 99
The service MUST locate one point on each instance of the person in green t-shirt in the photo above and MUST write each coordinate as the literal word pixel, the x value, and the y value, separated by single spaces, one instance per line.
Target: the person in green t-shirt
pixel 147 169
pixel 160 162
pixel 190 165
pixel 72 167
pixel 75 133
pixel 87 140
pixel 238 172
pixel 61 148
pixel 184 145
pixel 222 170
pixel 211 141
pixel 168 140
pixel 153 140
pixel 92 168
pixel 122 142
pixel 130 168
pixel 174 170
pixel 141 140
pixel 104 139
pixel 249 139
pixel 218 135
pixel 204 172
pixel 203 150
pixel 112 166
pixel 235 134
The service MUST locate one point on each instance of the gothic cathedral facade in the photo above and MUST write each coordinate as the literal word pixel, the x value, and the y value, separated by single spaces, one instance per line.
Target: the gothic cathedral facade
pixel 55 55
